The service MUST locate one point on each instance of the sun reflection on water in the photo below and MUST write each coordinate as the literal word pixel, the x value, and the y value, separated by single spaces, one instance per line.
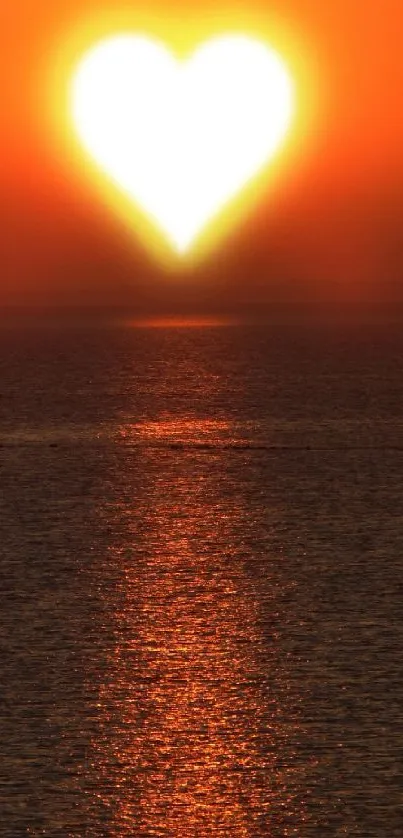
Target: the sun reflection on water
pixel 168 431
pixel 191 739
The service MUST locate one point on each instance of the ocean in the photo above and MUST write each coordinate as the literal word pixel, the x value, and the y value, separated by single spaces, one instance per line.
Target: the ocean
pixel 201 557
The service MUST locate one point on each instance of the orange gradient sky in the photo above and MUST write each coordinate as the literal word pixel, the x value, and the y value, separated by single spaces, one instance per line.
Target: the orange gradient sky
pixel 330 231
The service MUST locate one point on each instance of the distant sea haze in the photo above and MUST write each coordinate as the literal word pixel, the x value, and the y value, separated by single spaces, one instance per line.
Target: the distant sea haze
pixel 201 564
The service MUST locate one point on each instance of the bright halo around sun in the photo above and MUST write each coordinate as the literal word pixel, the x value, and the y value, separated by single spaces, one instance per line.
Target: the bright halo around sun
pixel 181 138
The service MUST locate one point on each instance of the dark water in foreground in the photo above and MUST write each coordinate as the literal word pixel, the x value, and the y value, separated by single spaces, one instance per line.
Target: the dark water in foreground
pixel 201 583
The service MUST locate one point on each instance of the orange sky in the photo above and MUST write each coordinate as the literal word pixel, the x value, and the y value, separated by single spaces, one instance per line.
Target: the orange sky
pixel 332 231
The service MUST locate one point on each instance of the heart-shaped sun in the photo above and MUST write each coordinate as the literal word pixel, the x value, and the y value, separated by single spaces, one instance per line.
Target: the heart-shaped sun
pixel 181 138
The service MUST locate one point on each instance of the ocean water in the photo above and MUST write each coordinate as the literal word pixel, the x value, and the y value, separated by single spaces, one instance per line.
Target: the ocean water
pixel 201 556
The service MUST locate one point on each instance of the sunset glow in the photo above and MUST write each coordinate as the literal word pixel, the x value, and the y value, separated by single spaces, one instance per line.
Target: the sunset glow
pixel 180 139
pixel 319 222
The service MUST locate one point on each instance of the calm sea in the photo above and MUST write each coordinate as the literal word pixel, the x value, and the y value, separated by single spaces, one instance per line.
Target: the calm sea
pixel 201 557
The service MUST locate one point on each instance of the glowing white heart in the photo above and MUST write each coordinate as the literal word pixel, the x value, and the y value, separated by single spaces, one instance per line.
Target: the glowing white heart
pixel 181 138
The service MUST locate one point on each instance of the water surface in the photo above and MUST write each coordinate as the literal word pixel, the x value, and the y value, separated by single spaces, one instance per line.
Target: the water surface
pixel 201 599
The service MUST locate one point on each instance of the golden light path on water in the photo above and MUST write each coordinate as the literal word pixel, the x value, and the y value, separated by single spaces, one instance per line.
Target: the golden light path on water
pixel 194 726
